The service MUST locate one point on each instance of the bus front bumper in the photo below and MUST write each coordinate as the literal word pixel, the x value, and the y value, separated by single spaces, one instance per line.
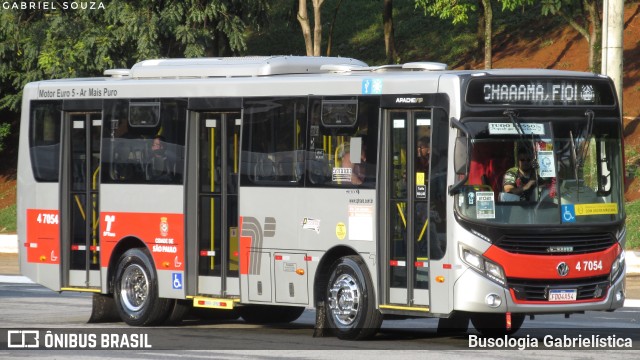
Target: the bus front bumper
pixel 473 292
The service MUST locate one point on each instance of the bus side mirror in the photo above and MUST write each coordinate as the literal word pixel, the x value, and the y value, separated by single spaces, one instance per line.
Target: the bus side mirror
pixel 461 155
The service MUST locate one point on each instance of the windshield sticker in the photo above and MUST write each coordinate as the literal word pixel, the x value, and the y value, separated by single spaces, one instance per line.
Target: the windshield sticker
pixel 547 166
pixel 568 213
pixel 510 129
pixel 485 205
pixel 596 209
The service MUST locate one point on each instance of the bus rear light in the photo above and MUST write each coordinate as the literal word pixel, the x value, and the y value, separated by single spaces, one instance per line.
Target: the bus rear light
pixel 440 279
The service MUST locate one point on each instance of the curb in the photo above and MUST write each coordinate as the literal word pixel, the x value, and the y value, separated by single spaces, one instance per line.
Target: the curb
pixel 9 244
pixel 632 259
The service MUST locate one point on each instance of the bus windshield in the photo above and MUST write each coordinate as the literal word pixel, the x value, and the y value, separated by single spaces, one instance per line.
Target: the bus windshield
pixel 543 171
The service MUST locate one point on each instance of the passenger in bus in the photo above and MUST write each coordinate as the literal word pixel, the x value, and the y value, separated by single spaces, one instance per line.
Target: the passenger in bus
pixel 422 156
pixel 521 180
pixel 161 165
pixel 358 168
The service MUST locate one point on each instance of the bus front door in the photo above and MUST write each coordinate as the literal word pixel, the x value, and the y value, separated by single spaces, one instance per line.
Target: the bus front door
pixel 218 148
pixel 80 178
pixel 405 256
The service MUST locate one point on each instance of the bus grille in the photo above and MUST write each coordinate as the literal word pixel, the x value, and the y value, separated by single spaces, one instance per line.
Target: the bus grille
pixel 555 244
pixel 538 290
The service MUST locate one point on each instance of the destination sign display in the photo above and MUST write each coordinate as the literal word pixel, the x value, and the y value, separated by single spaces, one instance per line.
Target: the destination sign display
pixel 539 92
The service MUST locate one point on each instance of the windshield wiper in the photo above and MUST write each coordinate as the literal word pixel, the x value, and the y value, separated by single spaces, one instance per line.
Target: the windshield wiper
pixel 587 137
pixel 529 143
pixel 579 161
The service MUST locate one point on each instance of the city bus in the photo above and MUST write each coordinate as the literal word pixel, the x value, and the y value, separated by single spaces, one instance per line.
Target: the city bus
pixel 263 186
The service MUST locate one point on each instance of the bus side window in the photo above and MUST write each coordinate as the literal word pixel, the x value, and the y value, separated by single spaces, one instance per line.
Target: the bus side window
pixel 44 140
pixel 273 138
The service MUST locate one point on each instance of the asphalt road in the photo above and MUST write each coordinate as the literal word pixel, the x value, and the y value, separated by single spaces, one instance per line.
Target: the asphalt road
pixel 30 307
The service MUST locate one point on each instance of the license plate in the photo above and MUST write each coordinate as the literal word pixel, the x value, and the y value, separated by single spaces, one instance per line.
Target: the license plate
pixel 563 295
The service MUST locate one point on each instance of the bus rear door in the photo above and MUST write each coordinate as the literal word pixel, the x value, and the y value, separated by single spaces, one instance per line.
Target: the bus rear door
pixel 80 184
pixel 216 203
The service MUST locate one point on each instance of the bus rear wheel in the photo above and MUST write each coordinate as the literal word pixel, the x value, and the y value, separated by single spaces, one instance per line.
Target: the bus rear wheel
pixel 495 325
pixel 350 305
pixel 136 290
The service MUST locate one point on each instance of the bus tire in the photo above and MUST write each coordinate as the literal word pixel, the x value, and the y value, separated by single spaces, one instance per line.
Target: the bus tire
pixel 267 314
pixel 136 290
pixel 179 309
pixel 494 325
pixel 350 305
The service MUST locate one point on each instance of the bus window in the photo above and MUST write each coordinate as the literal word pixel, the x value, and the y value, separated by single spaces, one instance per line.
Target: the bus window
pixel 273 141
pixel 343 152
pixel 144 141
pixel 44 140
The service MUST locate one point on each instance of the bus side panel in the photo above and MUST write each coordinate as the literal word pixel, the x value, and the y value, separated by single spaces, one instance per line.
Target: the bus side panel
pixel 154 215
pixel 276 220
pixel 38 213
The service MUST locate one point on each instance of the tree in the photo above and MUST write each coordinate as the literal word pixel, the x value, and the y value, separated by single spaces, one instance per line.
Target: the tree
pixel 333 22
pixel 389 38
pixel 582 15
pixel 459 12
pixel 312 43
pixel 588 22
pixel 36 44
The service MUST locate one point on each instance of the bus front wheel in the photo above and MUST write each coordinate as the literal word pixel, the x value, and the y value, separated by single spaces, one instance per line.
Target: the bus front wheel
pixel 136 290
pixel 350 305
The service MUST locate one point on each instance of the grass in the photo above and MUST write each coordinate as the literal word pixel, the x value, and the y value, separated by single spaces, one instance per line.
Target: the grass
pixel 633 224
pixel 8 217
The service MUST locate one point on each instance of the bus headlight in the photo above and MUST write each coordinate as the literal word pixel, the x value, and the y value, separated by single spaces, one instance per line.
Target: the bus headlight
pixel 472 259
pixel 483 265
pixel 617 266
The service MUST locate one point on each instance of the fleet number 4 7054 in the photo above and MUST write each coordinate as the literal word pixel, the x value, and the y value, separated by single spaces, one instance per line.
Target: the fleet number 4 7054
pixel 44 218
pixel 589 265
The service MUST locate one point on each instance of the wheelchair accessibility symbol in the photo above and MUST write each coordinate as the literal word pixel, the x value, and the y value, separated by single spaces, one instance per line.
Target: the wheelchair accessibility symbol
pixel 568 213
pixel 177 280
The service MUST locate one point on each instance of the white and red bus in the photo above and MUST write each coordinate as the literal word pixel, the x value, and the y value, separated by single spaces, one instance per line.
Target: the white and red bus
pixel 268 185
